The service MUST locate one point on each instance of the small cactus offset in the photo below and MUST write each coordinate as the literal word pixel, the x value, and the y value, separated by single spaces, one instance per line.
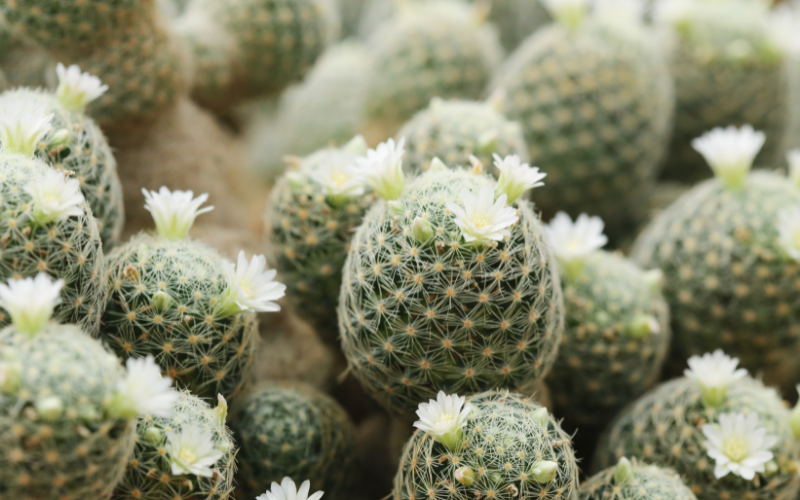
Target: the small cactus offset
pixel 500 445
pixel 725 433
pixel 632 480
pixel 455 130
pixel 311 215
pixel 448 288
pixel 616 333
pixel 291 430
pixel 176 299
pixel 730 277
pixel 188 455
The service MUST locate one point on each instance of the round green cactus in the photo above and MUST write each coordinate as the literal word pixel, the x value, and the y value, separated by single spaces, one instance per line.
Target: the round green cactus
pixel 292 430
pixel 455 130
pixel 158 469
pixel 311 215
pixel 435 299
pixel 631 480
pixel 509 447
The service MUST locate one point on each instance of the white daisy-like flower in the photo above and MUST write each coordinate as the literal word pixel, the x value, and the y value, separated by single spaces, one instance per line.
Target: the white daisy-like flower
pixel 30 302
pixel 730 152
pixel 443 418
pixel 251 286
pixel 174 212
pixel 191 451
pixel 570 13
pixel 516 177
pixel 288 491
pixel 144 391
pixel 55 197
pixel 575 240
pixel 738 445
pixel 481 218
pixel 24 121
pixel 713 373
pixel 77 89
pixel 789 231
pixel 382 169
pixel 793 158
pixel 334 174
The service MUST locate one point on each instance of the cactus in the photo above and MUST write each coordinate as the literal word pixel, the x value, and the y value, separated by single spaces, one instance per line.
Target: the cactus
pixel 509 447
pixel 25 63
pixel 455 130
pixel 616 326
pixel 594 99
pixel 350 11
pixel 309 223
pixel 292 430
pixel 631 480
pixel 434 302
pixel 728 281
pixel 151 473
pixel 686 424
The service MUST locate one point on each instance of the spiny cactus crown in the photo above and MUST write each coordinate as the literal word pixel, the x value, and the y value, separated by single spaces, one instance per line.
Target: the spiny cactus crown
pixel 633 480
pixel 730 152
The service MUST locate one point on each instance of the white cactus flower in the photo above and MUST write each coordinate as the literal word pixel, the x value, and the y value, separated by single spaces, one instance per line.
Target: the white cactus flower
pixel 191 451
pixel 575 240
pixel 382 169
pixel 30 302
pixel 54 197
pixel 334 174
pixel 569 13
pixel 288 491
pixel 671 12
pixel 174 212
pixel 250 287
pixel 443 418
pixel 713 373
pixel 24 121
pixel 789 231
pixel 516 177
pixel 76 89
pixel 730 152
pixel 144 391
pixel 793 157
pixel 481 218
pixel 738 445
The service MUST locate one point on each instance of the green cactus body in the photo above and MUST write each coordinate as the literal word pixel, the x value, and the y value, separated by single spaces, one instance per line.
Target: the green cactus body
pixel 506 440
pixel 635 481
pixel 290 429
pixel 727 281
pixel 149 475
pixel 433 49
pixel 163 301
pixel 454 130
pixel 516 20
pixel 664 428
pixel 85 152
pixel 25 63
pixel 56 438
pixel 67 249
pixel 595 105
pixel 308 235
pixel 416 318
pixel 615 340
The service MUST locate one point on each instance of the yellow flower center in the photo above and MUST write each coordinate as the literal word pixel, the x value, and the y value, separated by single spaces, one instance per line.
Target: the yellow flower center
pixel 736 449
pixel 340 178
pixel 187 456
pixel 480 220
pixel 445 419
pixel 247 287
pixel 573 245
pixel 50 197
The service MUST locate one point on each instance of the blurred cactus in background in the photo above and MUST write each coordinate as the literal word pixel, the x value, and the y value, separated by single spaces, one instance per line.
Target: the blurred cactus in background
pixel 633 480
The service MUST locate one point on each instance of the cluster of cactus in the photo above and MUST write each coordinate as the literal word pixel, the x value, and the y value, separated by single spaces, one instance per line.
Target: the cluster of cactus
pixel 632 480
pixel 292 430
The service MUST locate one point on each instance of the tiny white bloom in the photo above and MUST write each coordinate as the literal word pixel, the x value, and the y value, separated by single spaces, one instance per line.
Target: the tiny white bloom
pixel 144 391
pixel 250 287
pixel 713 373
pixel 481 218
pixel 793 157
pixel 738 445
pixel 174 212
pixel 191 451
pixel 443 418
pixel 76 89
pixel 789 231
pixel 730 151
pixel 570 13
pixel 288 491
pixel 575 240
pixel 24 121
pixel 333 173
pixel 516 177
pixel 54 197
pixel 30 302
pixel 382 169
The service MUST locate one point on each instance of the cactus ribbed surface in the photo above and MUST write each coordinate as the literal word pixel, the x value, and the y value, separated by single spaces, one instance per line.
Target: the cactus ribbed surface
pixel 615 340
pixel 68 249
pixel 56 439
pixel 635 481
pixel 416 318
pixel 454 130
pixel 506 441
pixel 290 429
pixel 163 298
